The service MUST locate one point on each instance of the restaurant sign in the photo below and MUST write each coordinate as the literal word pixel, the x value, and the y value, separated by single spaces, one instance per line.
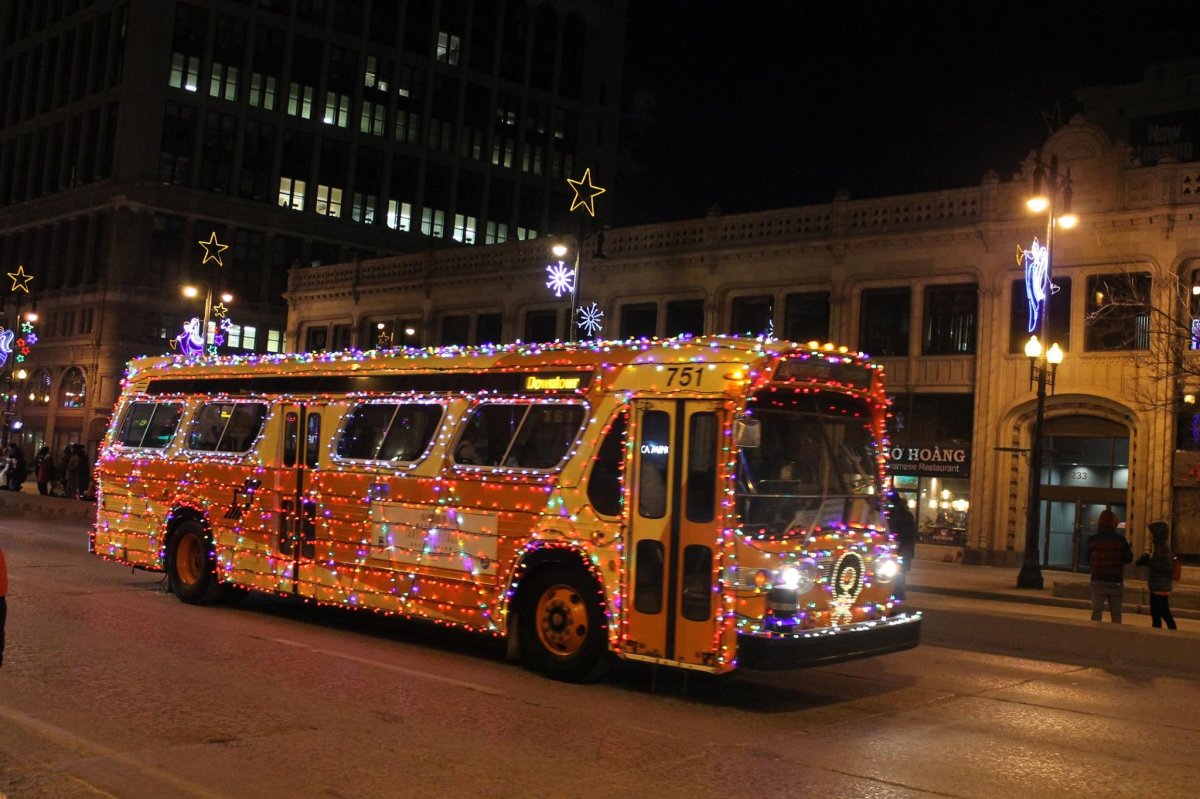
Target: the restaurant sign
pixel 931 460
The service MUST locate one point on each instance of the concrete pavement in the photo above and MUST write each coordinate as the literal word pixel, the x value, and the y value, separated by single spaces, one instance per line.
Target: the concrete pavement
pixel 968 607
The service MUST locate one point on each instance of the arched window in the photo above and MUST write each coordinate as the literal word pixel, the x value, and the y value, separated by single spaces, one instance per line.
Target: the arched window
pixel 37 389
pixel 72 391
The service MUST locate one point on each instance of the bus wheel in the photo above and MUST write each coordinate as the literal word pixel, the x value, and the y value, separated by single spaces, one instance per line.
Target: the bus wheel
pixel 562 627
pixel 191 565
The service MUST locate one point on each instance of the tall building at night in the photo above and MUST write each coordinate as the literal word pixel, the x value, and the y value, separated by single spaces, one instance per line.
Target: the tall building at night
pixel 300 132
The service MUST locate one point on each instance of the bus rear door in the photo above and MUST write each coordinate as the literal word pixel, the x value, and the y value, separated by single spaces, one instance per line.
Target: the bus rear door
pixel 292 477
pixel 674 529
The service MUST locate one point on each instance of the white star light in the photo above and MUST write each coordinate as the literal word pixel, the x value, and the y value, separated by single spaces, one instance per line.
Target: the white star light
pixel 562 279
pixel 591 319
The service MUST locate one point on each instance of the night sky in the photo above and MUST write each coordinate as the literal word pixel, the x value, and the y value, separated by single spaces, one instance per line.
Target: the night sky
pixel 758 104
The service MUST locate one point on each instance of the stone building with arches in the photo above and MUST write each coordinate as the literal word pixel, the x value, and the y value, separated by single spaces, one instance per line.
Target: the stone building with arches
pixel 932 286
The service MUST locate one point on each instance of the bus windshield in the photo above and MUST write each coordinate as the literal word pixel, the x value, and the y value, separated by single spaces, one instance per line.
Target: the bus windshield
pixel 814 466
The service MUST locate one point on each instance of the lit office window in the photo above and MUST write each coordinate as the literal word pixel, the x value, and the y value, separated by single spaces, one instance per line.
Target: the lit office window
pixel 464 229
pixel 448 48
pixel 497 233
pixel 399 215
pixel 224 83
pixel 363 208
pixel 263 91
pixel 300 98
pixel 274 341
pixel 337 109
pixel 248 335
pixel 433 222
pixel 291 194
pixel 185 72
pixel 329 201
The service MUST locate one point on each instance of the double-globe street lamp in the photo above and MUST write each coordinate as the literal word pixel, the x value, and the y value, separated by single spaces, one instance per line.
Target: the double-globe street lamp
pixel 1052 195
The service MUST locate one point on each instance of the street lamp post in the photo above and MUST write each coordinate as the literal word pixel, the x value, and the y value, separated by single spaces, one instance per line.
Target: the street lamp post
pixel 1049 186
pixel 560 251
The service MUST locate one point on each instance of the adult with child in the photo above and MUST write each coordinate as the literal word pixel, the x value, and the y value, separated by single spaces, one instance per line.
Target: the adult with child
pixel 1160 579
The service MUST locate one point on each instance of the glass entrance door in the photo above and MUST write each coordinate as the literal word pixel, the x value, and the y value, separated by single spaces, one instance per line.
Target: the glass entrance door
pixel 1066 525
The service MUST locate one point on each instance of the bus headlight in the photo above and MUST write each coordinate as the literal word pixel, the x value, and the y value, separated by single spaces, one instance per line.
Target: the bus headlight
pixel 799 578
pixel 886 569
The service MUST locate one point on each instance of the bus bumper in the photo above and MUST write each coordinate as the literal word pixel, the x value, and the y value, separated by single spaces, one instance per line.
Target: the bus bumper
pixel 774 651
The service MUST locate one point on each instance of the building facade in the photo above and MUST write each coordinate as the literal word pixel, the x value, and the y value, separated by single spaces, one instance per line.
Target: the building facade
pixel 298 132
pixel 932 285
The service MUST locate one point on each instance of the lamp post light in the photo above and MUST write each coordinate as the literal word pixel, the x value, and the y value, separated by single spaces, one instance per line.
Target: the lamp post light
pixel 560 251
pixel 1049 186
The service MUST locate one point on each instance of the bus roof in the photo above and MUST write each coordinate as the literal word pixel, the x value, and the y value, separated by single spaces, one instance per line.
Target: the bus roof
pixel 750 355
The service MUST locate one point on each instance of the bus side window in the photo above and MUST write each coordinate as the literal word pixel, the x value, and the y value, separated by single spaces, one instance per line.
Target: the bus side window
pixel 487 434
pixel 545 435
pixel 604 485
pixel 410 432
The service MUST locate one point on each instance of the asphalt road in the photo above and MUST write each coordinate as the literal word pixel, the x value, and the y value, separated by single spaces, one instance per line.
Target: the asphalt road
pixel 111 687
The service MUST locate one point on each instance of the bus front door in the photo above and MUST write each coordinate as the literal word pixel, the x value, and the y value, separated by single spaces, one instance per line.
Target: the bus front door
pixel 674 522
pixel 292 478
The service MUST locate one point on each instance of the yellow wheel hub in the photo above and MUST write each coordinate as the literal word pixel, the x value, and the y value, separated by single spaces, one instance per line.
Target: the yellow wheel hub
pixel 562 620
pixel 190 559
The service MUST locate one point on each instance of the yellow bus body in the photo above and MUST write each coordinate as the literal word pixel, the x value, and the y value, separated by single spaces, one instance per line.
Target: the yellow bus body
pixel 662 573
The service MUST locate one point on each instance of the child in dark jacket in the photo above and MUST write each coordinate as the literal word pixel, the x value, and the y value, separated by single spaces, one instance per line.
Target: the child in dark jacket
pixel 1161 563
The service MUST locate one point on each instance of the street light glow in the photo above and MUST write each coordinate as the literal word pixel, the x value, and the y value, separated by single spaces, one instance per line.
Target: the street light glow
pixel 559 250
pixel 1054 355
pixel 1033 348
pixel 1038 203
pixel 227 297
pixel 191 292
pixel 1068 221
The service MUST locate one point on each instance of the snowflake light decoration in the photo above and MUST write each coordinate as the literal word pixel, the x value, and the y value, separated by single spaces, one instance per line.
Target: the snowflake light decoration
pixel 562 279
pixel 591 319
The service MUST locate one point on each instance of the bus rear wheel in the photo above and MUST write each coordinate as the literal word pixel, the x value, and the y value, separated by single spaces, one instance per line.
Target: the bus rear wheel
pixel 562 627
pixel 191 565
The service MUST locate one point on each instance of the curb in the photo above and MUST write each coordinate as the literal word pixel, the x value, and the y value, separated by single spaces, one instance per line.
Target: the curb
pixel 1084 643
pixel 25 502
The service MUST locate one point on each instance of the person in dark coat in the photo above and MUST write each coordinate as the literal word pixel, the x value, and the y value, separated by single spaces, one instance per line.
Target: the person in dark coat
pixel 17 472
pixel 43 470
pixel 1161 563
pixel 1108 552
pixel 904 527
pixel 3 602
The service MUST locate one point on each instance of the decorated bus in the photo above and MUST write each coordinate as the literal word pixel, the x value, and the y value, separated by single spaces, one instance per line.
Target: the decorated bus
pixel 704 503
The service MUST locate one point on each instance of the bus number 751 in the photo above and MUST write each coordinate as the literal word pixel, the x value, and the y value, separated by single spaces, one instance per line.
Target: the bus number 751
pixel 684 376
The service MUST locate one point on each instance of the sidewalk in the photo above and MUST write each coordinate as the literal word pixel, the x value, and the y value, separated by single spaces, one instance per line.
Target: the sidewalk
pixel 1062 589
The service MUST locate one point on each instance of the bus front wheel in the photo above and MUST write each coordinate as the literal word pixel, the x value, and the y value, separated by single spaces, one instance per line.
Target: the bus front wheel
pixel 191 565
pixel 562 626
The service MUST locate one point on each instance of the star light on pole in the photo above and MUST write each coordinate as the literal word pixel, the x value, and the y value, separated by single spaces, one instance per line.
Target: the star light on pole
pixel 585 186
pixel 213 249
pixel 14 348
pixel 586 193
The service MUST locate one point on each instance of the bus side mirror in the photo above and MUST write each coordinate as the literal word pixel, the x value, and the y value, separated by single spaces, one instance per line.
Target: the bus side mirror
pixel 747 432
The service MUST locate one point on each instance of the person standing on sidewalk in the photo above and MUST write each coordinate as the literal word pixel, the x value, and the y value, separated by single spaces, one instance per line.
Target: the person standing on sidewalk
pixel 3 601
pixel 1161 563
pixel 1108 552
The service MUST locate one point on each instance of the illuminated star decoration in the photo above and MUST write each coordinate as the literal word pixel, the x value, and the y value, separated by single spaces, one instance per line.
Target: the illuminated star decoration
pixel 28 338
pixel 20 280
pixel 221 312
pixel 1038 288
pixel 591 319
pixel 213 250
pixel 562 279
pixel 592 191
pixel 385 339
pixel 6 342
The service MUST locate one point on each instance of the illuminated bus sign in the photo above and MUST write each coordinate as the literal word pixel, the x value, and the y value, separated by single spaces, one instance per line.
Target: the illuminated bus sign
pixel 569 382
pixel 854 375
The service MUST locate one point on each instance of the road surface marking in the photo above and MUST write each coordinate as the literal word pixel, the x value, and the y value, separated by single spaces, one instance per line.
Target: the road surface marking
pixel 90 749
pixel 390 667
